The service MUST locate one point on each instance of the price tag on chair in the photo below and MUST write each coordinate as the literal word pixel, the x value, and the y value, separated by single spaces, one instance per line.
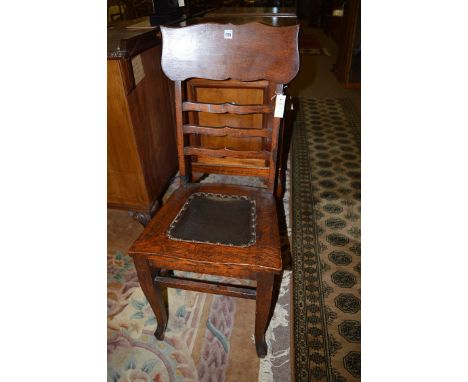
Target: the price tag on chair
pixel 279 105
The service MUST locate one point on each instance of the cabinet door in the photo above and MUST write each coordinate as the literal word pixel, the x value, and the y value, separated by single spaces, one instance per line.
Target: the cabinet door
pixel 348 63
pixel 151 105
pixel 125 182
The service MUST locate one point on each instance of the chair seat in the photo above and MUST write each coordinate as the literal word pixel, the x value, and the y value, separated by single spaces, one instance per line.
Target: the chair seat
pixel 208 227
pixel 216 219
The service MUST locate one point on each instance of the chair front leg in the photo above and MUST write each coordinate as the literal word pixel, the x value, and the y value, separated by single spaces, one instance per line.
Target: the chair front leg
pixel 265 283
pixel 153 293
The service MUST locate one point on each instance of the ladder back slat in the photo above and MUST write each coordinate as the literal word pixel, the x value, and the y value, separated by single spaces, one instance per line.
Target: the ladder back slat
pixel 262 172
pixel 223 131
pixel 221 108
pixel 225 152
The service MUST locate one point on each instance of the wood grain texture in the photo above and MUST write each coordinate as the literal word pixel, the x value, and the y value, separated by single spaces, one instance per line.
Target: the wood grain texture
pixel 221 108
pixel 207 286
pixel 225 152
pixel 264 255
pixel 229 91
pixel 125 181
pixel 231 58
pixel 184 162
pixel 226 131
pixel 141 150
pixel 153 118
pixel 198 123
pixel 231 169
pixel 153 293
pixel 265 282
pixel 275 126
pixel 221 151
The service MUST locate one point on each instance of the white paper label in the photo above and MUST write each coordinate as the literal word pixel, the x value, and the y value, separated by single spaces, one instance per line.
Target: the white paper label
pixel 138 70
pixel 279 106
pixel 181 3
pixel 228 34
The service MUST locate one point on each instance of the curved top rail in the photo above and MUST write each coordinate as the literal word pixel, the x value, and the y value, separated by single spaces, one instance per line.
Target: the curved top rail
pixel 246 52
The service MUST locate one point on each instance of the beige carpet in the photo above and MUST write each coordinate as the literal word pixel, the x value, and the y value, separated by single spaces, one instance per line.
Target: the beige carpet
pixel 326 241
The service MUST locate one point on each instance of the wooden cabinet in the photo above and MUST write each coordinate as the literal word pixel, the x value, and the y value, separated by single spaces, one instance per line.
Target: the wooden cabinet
pixel 141 146
pixel 348 62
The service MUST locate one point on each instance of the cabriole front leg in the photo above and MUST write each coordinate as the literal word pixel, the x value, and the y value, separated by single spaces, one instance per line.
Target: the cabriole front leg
pixel 153 293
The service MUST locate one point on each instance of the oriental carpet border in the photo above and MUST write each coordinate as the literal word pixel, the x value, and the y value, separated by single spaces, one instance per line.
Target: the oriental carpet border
pixel 325 241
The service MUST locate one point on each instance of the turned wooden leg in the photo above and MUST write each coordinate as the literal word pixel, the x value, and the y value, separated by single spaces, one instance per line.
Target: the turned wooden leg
pixel 153 293
pixel 262 310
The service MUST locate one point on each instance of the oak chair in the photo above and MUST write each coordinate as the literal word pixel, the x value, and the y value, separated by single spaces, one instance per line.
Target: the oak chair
pixel 220 229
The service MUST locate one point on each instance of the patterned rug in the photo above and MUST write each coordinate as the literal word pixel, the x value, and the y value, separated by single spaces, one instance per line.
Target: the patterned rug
pixel 326 241
pixel 208 337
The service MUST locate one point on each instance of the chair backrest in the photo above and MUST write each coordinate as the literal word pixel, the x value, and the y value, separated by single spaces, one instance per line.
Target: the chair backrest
pixel 254 55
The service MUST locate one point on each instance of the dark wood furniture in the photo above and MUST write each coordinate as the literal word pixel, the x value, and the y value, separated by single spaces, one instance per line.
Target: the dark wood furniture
pixel 252 12
pixel 204 90
pixel 141 143
pixel 348 61
pixel 257 3
pixel 220 229
pixel 276 16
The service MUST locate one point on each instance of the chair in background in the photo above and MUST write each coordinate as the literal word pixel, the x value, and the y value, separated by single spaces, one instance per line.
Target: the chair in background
pixel 220 229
